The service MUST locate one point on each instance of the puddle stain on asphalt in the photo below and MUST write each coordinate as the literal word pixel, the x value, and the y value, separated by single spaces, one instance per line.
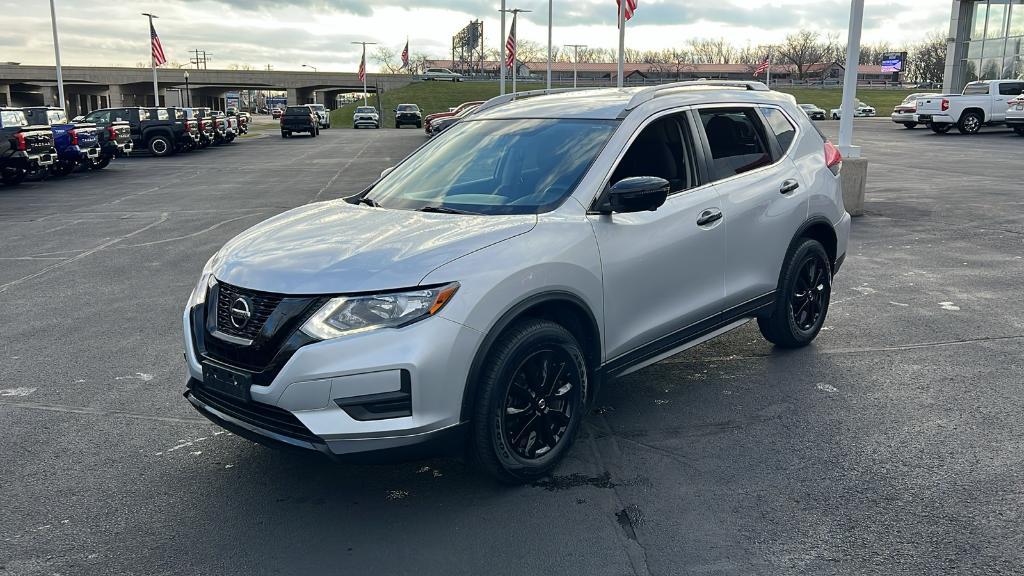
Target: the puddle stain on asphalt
pixel 557 483
pixel 630 518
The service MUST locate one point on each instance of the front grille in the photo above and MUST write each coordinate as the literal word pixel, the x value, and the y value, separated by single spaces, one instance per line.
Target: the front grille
pixel 262 304
pixel 263 416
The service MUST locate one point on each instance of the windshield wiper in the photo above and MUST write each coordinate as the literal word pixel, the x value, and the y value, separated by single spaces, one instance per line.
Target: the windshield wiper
pixel 444 210
pixel 369 201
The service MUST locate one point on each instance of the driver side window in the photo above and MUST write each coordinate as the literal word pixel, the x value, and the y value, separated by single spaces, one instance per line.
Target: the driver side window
pixel 662 149
pixel 98 117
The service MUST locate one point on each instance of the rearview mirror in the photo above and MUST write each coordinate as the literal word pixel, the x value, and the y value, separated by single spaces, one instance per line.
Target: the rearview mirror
pixel 637 194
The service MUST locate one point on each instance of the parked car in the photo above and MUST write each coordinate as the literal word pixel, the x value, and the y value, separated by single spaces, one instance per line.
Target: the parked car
pixel 441 124
pixel 210 129
pixel 191 128
pixel 862 111
pixel 24 149
pixel 813 112
pixel 428 121
pixel 160 137
pixel 1015 115
pixel 982 103
pixel 480 293
pixel 243 119
pixel 441 74
pixel 365 116
pixel 408 114
pixel 905 113
pixel 299 119
pixel 76 143
pixel 276 113
pixel 230 126
pixel 183 138
pixel 323 115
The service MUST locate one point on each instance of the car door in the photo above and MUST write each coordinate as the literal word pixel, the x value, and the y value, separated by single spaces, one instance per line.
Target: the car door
pixel 762 194
pixel 662 269
pixel 1007 91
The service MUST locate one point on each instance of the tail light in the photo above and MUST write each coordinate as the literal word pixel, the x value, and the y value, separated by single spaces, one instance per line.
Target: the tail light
pixel 19 142
pixel 74 136
pixel 113 133
pixel 833 158
pixel 945 104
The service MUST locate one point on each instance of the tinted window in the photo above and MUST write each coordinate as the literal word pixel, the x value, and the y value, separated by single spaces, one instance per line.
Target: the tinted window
pixel 145 115
pixel 784 130
pixel 1011 88
pixel 11 118
pixel 408 108
pixel 162 114
pixel 496 166
pixel 737 141
pixel 976 89
pixel 99 117
pixel 663 149
pixel 56 117
pixel 298 111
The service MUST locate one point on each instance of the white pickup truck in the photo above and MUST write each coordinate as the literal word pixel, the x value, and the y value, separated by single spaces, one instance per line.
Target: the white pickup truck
pixel 982 103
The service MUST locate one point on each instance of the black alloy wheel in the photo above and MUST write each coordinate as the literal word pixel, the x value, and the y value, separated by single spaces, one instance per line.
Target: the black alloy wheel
pixel 970 123
pixel 802 298
pixel 807 302
pixel 542 398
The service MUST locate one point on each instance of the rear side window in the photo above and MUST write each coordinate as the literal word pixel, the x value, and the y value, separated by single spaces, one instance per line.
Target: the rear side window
pixel 737 141
pixel 57 117
pixel 784 130
pixel 145 115
pixel 1011 88
pixel 161 114
pixel 977 89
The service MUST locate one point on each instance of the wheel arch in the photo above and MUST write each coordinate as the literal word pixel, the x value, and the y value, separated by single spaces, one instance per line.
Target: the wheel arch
pixel 979 111
pixel 821 229
pixel 564 308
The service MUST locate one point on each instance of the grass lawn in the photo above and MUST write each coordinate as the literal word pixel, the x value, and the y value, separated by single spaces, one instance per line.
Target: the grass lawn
pixel 439 96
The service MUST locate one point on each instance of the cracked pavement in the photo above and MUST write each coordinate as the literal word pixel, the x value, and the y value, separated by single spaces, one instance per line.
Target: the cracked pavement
pixel 893 445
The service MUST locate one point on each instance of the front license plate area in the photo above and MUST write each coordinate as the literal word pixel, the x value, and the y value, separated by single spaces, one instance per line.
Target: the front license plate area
pixel 229 382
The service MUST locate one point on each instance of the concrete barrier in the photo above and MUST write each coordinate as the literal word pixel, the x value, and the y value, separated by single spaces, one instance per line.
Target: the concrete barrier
pixel 853 179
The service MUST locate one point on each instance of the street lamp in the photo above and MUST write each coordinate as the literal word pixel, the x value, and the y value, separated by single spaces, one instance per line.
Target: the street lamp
pixel 308 66
pixel 56 53
pixel 575 59
pixel 188 93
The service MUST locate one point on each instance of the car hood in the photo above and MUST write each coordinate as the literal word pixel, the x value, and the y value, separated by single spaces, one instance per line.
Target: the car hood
pixel 336 247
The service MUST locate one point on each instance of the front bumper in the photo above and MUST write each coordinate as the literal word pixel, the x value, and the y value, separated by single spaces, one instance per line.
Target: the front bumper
pixel 1015 118
pixel 387 390
pixel 365 122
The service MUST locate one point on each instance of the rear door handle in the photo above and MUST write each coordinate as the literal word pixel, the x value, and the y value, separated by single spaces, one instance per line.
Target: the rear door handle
pixel 789 186
pixel 709 216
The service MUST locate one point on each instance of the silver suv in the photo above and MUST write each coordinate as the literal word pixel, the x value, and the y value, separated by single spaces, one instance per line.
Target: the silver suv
pixel 478 294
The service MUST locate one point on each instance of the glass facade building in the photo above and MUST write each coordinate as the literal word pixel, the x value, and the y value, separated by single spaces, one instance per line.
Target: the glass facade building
pixel 987 42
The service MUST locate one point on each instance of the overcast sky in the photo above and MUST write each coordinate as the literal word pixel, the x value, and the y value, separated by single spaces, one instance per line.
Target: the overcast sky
pixel 288 33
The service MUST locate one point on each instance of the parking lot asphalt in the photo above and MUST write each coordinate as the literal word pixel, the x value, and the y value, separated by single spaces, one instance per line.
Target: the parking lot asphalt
pixel 893 445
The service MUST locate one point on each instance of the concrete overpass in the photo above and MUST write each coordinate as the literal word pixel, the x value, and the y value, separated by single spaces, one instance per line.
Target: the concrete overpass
pixel 87 88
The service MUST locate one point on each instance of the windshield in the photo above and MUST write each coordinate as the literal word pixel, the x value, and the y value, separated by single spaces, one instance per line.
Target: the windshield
pixel 522 166
pixel 319 107
pixel 408 108
pixel 11 118
pixel 808 106
pixel 365 110
pixel 976 89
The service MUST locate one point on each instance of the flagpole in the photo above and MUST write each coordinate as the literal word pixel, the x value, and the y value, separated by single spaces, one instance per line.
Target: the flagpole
pixel 515 42
pixel 364 69
pixel 768 78
pixel 501 82
pixel 622 41
pixel 152 61
pixel 56 53
pixel 549 42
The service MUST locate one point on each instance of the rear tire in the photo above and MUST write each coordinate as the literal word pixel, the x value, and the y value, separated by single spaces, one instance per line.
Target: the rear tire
pixel 284 134
pixel 100 163
pixel 910 125
pixel 531 397
pixel 970 123
pixel 802 299
pixel 12 176
pixel 62 168
pixel 1019 130
pixel 940 128
pixel 160 146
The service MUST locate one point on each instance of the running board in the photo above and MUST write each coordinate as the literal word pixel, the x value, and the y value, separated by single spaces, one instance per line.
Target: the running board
pixel 686 346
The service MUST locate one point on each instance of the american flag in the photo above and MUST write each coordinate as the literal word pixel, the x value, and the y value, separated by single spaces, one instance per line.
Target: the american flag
pixel 630 8
pixel 158 50
pixel 762 67
pixel 510 45
pixel 405 55
pixel 362 66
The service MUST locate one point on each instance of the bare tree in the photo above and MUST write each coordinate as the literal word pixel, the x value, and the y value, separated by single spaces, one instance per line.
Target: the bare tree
pixel 387 59
pixel 712 51
pixel 926 61
pixel 803 49
pixel 530 51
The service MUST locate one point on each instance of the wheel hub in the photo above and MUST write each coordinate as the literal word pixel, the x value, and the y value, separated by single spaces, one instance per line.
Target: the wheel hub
pixel 541 402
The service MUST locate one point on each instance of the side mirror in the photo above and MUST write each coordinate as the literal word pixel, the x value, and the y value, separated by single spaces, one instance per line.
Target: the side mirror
pixel 637 194
pixel 386 171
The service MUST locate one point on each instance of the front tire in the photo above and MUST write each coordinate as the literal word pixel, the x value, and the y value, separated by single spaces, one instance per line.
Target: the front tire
pixel 531 397
pixel 910 125
pixel 970 123
pixel 801 303
pixel 1019 130
pixel 940 128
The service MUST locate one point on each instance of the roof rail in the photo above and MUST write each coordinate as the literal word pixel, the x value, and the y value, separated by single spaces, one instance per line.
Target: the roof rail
pixel 652 92
pixel 506 98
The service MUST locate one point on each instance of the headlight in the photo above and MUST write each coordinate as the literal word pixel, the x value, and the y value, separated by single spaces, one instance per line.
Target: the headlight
pixel 352 314
pixel 206 280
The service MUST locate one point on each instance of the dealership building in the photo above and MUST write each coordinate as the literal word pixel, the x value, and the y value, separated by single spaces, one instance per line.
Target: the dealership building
pixel 986 42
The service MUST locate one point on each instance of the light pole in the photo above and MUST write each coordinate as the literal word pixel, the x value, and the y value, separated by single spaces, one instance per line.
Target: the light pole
pixel 501 82
pixel 363 65
pixel 575 59
pixel 850 81
pixel 152 60
pixel 308 66
pixel 549 42
pixel 188 93
pixel 56 53
pixel 515 39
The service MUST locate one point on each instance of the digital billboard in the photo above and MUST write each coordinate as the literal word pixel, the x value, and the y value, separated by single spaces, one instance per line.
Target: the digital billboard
pixel 893 62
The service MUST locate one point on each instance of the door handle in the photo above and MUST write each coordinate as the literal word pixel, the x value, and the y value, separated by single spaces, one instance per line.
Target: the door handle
pixel 789 186
pixel 709 216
